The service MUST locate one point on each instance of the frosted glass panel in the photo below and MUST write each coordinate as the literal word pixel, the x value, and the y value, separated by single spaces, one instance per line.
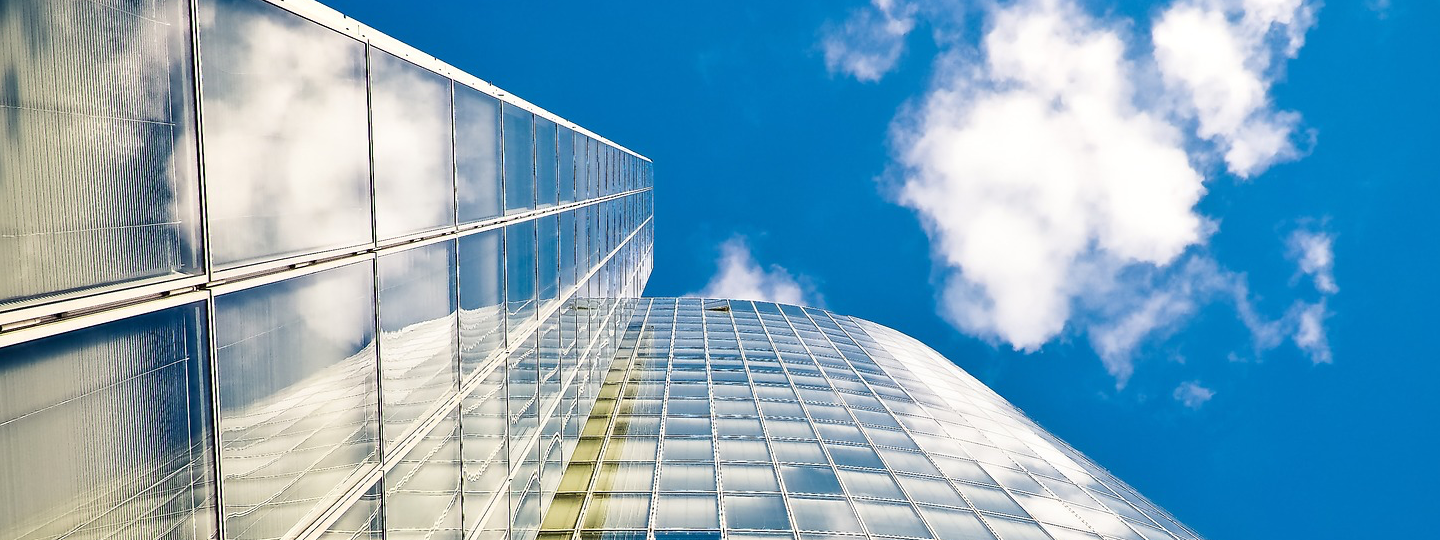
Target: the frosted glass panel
pixel 482 299
pixel 297 370
pixel 97 148
pixel 126 438
pixel 477 155
pixel 287 151
pixel 418 356
pixel 414 160
pixel 519 130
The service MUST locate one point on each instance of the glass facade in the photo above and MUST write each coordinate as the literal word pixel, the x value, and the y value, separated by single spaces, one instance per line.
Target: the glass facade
pixel 739 419
pixel 322 286
pixel 326 287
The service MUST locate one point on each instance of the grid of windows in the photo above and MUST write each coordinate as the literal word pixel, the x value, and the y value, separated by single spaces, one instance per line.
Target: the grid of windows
pixel 744 419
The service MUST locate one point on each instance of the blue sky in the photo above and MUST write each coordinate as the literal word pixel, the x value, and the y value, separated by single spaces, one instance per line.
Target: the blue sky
pixel 1191 237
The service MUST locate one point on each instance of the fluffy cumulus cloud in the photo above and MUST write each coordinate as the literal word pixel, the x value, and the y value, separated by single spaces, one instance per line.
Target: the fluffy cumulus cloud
pixel 1192 395
pixel 1057 165
pixel 1217 56
pixel 739 276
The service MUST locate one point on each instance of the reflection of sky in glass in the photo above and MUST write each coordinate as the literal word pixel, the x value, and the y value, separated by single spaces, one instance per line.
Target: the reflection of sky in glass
pixel 519 159
pixel 97 176
pixel 546 164
pixel 104 431
pixel 481 286
pixel 422 493
pixel 568 159
pixel 296 369
pixel 410 115
pixel 418 354
pixel 286 145
pixel 477 154
pixel 520 275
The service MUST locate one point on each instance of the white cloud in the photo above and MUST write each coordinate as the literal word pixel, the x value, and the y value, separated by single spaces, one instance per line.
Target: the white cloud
pixel 1057 168
pixel 1192 395
pixel 868 44
pixel 1218 57
pixel 1312 251
pixel 1038 176
pixel 1309 335
pixel 740 277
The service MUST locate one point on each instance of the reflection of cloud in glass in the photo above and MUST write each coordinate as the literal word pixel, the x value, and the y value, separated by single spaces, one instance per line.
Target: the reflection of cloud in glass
pixel 418 334
pixel 102 431
pixel 97 178
pixel 297 369
pixel 286 150
pixel 410 108
pixel 477 154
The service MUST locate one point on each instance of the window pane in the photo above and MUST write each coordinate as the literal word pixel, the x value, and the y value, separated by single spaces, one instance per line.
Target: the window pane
pixel 750 478
pixel 548 258
pixel 418 354
pixel 756 512
pixel 98 181
pixel 567 164
pixel 520 275
pixel 477 155
pixel 546 165
pixel 618 511
pixel 481 286
pixel 891 519
pixel 519 159
pixel 687 512
pixel 414 162
pixel 297 369
pixel 955 524
pixel 287 150
pixel 132 415
pixel 823 515
pixel 422 492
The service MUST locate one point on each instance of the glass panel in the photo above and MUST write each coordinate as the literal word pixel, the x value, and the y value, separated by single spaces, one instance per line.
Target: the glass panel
pixel 891 519
pixel 418 357
pixel 625 476
pixel 481 284
pixel 955 524
pixel 870 484
pixel 687 477
pixel 991 499
pixel 810 479
pixel 127 442
pixel 422 492
pixel 519 159
pixel 756 512
pixel 567 164
pixel 696 450
pixel 98 163
pixel 287 150
pixel 414 160
pixel 823 515
pixel 477 155
pixel 1017 530
pixel 750 478
pixel 297 369
pixel 548 258
pixel 687 512
pixel 520 276
pixel 618 511
pixel 546 175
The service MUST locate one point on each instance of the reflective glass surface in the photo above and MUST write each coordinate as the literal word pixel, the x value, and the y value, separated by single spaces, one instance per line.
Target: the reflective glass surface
pixel 296 366
pixel 123 447
pixel 870 433
pixel 418 342
pixel 547 179
pixel 519 131
pixel 477 155
pixel 287 151
pixel 98 178
pixel 414 160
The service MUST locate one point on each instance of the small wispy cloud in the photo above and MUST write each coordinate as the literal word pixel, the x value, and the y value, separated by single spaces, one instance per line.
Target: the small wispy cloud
pixel 870 42
pixel 740 277
pixel 1192 395
pixel 1312 251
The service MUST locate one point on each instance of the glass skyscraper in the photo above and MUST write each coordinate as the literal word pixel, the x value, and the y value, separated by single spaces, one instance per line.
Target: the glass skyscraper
pixel 268 273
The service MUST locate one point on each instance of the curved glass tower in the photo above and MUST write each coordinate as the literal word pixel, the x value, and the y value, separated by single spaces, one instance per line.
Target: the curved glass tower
pixel 739 419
